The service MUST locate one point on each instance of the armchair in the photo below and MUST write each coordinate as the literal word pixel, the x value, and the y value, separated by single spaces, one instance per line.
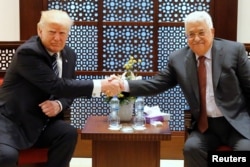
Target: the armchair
pixel 187 125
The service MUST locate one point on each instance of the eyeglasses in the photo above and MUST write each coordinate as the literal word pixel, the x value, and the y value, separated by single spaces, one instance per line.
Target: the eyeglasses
pixel 200 34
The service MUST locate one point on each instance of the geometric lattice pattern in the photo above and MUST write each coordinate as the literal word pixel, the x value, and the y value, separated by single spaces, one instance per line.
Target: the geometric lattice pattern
pixel 6 56
pixel 120 42
pixel 169 40
pixel 84 107
pixel 135 36
pixel 171 102
pixel 79 10
pixel 126 11
pixel 176 10
pixel 83 39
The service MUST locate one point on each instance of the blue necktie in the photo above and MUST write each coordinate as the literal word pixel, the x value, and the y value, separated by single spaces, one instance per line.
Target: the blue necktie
pixel 54 64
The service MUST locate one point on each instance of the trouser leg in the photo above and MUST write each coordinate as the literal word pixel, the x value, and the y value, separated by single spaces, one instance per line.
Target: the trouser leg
pixel 61 139
pixel 8 156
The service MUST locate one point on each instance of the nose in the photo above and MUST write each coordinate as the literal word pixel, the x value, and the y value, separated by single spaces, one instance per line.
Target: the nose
pixel 57 36
pixel 197 37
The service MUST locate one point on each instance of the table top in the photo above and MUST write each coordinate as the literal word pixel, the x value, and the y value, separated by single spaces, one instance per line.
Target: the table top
pixel 97 128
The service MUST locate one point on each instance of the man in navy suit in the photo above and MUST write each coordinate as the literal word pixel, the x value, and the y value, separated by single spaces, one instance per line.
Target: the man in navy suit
pixel 33 97
pixel 227 88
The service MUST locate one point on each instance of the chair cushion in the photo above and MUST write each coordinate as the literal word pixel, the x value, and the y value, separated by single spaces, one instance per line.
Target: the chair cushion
pixel 33 155
pixel 224 148
pixel 1 81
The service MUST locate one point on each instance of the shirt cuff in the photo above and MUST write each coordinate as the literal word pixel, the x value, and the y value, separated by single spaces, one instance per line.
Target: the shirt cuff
pixel 60 105
pixel 97 88
pixel 126 86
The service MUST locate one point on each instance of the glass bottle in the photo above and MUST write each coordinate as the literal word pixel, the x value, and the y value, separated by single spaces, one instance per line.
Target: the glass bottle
pixel 114 120
pixel 139 119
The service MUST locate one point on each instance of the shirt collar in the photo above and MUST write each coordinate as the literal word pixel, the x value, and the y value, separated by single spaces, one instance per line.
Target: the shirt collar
pixel 207 55
pixel 51 53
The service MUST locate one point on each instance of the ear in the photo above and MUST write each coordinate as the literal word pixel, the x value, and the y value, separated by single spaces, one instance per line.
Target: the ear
pixel 212 31
pixel 39 31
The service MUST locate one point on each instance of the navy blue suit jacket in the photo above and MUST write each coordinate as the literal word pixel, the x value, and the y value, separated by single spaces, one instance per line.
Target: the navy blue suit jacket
pixel 29 81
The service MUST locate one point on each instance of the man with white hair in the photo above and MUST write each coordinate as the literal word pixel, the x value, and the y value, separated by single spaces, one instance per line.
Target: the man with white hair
pixel 36 91
pixel 226 93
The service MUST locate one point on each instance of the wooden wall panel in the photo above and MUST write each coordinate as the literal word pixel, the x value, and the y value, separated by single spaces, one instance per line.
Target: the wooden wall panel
pixel 30 12
pixel 225 14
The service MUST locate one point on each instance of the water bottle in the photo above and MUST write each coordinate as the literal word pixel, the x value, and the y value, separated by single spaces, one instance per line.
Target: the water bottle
pixel 139 105
pixel 114 120
pixel 114 104
pixel 139 119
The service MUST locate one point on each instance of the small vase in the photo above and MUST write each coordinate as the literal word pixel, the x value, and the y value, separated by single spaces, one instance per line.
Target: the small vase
pixel 126 112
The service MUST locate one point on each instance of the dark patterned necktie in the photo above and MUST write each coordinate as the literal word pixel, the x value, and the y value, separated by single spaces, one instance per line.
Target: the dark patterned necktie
pixel 54 64
pixel 55 68
pixel 202 74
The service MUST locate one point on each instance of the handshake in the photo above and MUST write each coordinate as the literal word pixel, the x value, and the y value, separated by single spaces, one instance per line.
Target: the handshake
pixel 112 85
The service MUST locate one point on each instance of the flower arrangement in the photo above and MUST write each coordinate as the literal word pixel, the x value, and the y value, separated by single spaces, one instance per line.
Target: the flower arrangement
pixel 129 67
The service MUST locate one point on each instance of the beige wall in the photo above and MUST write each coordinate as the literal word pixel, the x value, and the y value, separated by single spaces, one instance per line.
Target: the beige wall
pixel 243 27
pixel 9 20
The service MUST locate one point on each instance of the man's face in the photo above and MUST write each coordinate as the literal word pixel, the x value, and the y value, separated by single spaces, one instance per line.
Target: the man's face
pixel 53 36
pixel 199 37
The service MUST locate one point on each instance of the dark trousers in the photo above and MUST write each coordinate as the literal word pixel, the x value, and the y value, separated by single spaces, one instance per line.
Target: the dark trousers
pixel 8 156
pixel 59 136
pixel 219 132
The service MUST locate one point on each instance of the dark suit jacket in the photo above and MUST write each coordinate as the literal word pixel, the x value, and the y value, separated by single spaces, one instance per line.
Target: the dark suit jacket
pixel 29 81
pixel 231 81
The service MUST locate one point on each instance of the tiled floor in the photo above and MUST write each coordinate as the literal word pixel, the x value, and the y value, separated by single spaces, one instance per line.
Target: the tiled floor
pixel 79 162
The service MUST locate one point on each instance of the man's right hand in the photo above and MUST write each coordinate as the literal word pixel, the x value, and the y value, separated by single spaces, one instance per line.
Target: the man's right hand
pixel 112 86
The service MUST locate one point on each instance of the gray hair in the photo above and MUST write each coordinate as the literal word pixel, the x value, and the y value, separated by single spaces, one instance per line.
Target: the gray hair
pixel 55 16
pixel 199 16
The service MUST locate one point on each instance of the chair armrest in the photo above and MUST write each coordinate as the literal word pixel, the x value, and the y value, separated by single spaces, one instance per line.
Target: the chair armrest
pixel 187 122
pixel 66 115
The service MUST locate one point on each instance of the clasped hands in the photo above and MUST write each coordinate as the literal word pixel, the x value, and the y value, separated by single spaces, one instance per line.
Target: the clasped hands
pixel 112 85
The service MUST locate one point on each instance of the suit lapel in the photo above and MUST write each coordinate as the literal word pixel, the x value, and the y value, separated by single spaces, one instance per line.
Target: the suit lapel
pixel 191 68
pixel 217 61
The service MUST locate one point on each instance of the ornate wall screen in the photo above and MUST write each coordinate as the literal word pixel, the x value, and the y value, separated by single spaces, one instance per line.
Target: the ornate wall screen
pixel 107 32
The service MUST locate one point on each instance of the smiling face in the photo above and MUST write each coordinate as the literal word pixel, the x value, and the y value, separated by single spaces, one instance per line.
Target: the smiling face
pixel 200 37
pixel 53 36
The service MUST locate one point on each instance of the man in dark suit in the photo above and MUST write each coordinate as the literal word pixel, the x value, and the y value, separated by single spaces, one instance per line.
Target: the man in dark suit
pixel 33 97
pixel 227 89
